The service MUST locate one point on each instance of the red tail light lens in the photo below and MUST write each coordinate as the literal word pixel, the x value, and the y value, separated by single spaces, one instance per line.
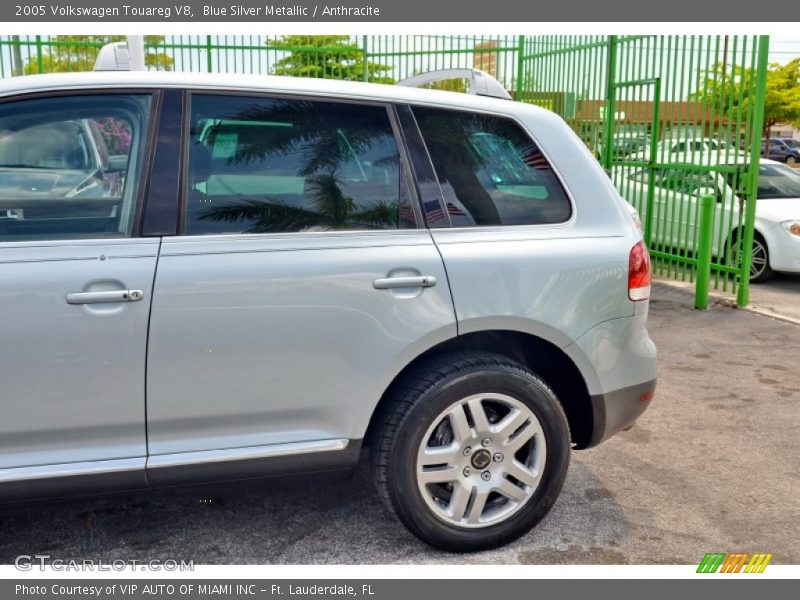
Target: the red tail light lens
pixel 639 273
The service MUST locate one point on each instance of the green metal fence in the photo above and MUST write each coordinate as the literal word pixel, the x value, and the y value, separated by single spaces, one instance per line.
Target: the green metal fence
pixel 672 118
pixel 367 58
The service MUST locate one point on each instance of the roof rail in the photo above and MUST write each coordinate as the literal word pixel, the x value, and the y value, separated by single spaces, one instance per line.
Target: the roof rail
pixel 481 83
pixel 121 56
pixel 113 57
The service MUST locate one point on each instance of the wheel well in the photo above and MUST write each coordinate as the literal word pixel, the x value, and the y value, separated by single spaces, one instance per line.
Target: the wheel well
pixel 734 237
pixel 735 234
pixel 545 359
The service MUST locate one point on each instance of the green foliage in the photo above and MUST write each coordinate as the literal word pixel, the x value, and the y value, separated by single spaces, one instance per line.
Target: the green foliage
pixel 782 101
pixel 78 53
pixel 328 56
pixel 728 93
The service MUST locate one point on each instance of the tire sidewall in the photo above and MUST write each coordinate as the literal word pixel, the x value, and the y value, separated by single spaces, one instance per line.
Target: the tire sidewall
pixel 410 505
pixel 766 274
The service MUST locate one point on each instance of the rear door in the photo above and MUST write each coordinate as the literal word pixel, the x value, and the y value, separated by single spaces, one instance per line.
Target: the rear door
pixel 303 281
pixel 75 283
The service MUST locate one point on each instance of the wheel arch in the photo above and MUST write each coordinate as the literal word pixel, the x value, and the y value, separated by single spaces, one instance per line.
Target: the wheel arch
pixel 545 358
pixel 758 230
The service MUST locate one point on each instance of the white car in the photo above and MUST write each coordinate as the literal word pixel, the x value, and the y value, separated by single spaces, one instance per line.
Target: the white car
pixel 695 150
pixel 776 242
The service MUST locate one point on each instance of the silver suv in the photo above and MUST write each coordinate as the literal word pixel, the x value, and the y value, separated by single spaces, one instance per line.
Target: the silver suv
pixel 260 276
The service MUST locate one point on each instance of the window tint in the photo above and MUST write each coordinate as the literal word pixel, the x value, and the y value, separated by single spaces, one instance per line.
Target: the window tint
pixel 69 166
pixel 260 165
pixel 490 171
pixel 685 182
pixel 777 181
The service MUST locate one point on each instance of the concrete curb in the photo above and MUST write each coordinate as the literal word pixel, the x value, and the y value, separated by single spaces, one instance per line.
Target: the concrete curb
pixel 724 300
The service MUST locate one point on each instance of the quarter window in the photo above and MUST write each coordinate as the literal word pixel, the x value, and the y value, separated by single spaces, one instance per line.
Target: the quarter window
pixel 490 171
pixel 261 165
pixel 69 167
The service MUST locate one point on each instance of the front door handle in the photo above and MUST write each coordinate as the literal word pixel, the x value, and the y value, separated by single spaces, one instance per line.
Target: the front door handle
pixel 388 283
pixel 105 297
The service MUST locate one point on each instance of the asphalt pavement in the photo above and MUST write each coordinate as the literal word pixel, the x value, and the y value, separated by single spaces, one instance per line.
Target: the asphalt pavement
pixel 714 465
pixel 779 296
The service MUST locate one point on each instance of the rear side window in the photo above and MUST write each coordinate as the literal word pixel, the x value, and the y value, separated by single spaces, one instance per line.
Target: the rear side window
pixel 69 167
pixel 490 171
pixel 263 165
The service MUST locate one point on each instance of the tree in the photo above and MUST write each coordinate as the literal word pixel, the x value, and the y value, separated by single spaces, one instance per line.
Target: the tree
pixel 78 53
pixel 328 56
pixel 729 90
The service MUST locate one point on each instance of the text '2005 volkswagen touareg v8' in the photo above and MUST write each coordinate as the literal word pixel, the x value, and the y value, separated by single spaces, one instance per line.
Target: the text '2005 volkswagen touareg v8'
pixel 217 278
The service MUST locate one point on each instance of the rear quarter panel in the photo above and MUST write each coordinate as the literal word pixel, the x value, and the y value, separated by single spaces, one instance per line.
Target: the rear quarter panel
pixel 553 281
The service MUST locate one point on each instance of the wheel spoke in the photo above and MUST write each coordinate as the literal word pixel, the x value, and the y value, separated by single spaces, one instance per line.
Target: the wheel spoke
pixel 459 501
pixel 459 424
pixel 511 491
pixel 438 475
pixel 439 456
pixel 510 423
pixel 479 417
pixel 523 436
pixel 522 473
pixel 478 504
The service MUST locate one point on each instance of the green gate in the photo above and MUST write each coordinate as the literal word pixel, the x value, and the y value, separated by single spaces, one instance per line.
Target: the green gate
pixel 622 145
pixel 674 119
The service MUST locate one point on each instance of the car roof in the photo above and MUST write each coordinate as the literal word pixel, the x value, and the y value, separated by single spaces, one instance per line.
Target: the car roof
pixel 355 90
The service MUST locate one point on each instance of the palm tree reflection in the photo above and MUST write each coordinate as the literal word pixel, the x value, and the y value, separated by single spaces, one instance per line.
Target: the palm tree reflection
pixel 301 139
pixel 329 209
pixel 347 157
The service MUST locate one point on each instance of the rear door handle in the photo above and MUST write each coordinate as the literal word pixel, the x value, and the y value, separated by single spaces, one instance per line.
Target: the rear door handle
pixel 388 283
pixel 104 297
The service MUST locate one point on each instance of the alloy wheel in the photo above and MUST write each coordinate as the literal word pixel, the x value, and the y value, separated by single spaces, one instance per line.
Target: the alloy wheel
pixel 481 460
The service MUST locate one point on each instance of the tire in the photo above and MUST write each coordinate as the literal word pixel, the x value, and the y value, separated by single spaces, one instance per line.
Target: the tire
pixel 420 420
pixel 760 269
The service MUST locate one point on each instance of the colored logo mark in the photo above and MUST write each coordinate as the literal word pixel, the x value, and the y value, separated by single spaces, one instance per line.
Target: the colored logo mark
pixel 737 562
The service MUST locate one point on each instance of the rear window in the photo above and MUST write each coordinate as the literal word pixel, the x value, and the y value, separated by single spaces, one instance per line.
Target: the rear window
pixel 491 172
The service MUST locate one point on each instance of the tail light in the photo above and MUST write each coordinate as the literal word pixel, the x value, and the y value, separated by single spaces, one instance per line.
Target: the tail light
pixel 639 273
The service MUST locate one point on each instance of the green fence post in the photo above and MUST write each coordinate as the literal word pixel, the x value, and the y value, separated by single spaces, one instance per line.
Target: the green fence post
pixel 611 76
pixel 704 251
pixel 209 62
pixel 651 168
pixel 743 293
pixel 520 68
pixel 39 57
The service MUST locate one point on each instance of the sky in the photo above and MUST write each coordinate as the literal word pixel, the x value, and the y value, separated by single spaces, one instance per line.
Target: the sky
pixel 784 50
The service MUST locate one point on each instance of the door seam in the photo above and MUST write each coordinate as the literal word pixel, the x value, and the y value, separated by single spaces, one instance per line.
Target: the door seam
pixel 147 360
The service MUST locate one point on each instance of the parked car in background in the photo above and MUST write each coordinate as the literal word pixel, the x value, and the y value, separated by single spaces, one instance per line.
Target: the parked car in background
pixel 785 150
pixel 292 270
pixel 776 242
pixel 698 150
pixel 625 145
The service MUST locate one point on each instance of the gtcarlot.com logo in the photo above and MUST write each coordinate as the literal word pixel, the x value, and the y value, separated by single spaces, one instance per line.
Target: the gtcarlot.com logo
pixel 28 562
pixel 736 562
